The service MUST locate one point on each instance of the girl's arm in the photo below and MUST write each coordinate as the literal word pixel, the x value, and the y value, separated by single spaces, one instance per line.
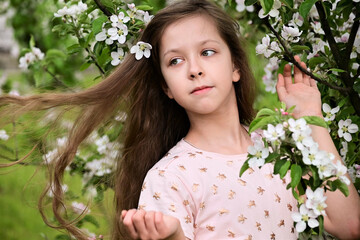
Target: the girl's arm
pixel 151 225
pixel 343 213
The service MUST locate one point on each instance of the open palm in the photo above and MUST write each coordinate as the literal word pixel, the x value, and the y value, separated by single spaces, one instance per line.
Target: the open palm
pixel 303 92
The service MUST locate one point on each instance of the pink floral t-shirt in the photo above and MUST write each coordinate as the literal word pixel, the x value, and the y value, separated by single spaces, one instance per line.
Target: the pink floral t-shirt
pixel 204 191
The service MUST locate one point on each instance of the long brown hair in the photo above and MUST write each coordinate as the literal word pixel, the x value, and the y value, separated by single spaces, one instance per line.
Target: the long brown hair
pixel 155 123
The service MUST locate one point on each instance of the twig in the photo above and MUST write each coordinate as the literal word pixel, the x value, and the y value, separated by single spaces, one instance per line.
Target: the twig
pixel 350 43
pixel 290 58
pixel 94 59
pixel 103 8
pixel 55 78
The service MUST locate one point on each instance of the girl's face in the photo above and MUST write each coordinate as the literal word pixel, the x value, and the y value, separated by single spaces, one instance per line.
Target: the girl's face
pixel 197 66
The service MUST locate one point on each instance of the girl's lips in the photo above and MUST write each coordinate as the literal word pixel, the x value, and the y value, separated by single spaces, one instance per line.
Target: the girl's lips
pixel 201 90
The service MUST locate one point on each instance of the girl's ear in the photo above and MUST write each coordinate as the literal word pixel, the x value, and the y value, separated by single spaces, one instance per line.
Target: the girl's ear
pixel 168 92
pixel 236 75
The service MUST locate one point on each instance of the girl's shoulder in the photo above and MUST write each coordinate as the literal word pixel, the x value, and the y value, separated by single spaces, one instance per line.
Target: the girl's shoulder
pixel 177 156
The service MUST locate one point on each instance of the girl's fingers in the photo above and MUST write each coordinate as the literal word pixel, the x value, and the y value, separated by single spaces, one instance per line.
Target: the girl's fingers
pixel 280 87
pixel 150 223
pixel 305 76
pixel 159 222
pixel 128 223
pixel 287 75
pixel 313 83
pixel 139 223
pixel 298 74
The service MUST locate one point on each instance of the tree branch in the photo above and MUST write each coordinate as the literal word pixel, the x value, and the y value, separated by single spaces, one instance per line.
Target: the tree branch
pixel 329 36
pixel 103 8
pixel 290 58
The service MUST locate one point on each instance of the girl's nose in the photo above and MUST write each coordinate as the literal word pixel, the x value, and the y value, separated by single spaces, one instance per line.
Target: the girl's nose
pixel 198 74
pixel 195 69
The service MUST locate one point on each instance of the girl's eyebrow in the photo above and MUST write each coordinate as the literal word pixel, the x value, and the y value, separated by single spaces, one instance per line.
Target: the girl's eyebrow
pixel 175 50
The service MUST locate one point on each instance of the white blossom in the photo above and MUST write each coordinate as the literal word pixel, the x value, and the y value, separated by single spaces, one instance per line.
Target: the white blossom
pixel 330 112
pixel 118 57
pixel 3 135
pixel 102 144
pixel 297 20
pixel 26 60
pixel 141 49
pixel 120 19
pixel 303 139
pixel 266 47
pixel 273 133
pixel 64 188
pixel 37 53
pixel 79 208
pixel 147 17
pixel 304 216
pixel 326 167
pixel 240 6
pixel 100 167
pixel 312 155
pixel 346 128
pixel 317 28
pixel 291 34
pixel 274 12
pixel 259 154
pixel 340 171
pixel 343 150
pixel 316 201
pixel 118 33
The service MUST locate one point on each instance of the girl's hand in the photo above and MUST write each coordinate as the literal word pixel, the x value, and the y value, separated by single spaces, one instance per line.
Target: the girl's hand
pixel 303 92
pixel 151 225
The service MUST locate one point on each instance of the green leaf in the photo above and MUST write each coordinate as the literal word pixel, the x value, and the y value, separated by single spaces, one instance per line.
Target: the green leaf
pixel 250 2
pixel 296 173
pixel 244 167
pixel 305 7
pixel 315 176
pixel 107 3
pixel 97 24
pixel 313 62
pixel 300 48
pixel 289 3
pixel 85 66
pixel 74 48
pixel 271 157
pixel 144 7
pixel 260 122
pixel 341 186
pixel 32 42
pixel 321 225
pixel 267 5
pixel 55 54
pixel 278 165
pixel 284 168
pixel 291 109
pixel 336 70
pixel 357 86
pixel 92 220
pixel 265 112
pixel 315 120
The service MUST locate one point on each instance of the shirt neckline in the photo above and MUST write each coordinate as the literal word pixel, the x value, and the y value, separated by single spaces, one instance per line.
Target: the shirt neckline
pixel 192 147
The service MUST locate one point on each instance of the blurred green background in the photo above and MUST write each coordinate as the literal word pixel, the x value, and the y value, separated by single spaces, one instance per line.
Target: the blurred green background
pixel 21 185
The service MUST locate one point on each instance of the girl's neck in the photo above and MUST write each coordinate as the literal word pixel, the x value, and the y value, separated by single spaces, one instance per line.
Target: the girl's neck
pixel 222 133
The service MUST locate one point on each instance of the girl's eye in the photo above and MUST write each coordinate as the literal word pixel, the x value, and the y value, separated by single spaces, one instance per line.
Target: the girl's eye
pixel 175 61
pixel 208 53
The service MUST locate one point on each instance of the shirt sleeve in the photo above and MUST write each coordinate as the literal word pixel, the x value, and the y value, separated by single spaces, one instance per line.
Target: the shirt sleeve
pixel 163 191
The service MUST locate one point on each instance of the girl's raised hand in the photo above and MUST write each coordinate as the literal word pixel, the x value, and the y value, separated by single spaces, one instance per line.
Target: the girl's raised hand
pixel 303 92
pixel 151 225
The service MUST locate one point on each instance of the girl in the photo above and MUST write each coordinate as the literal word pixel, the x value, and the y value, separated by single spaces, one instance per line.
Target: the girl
pixel 189 105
